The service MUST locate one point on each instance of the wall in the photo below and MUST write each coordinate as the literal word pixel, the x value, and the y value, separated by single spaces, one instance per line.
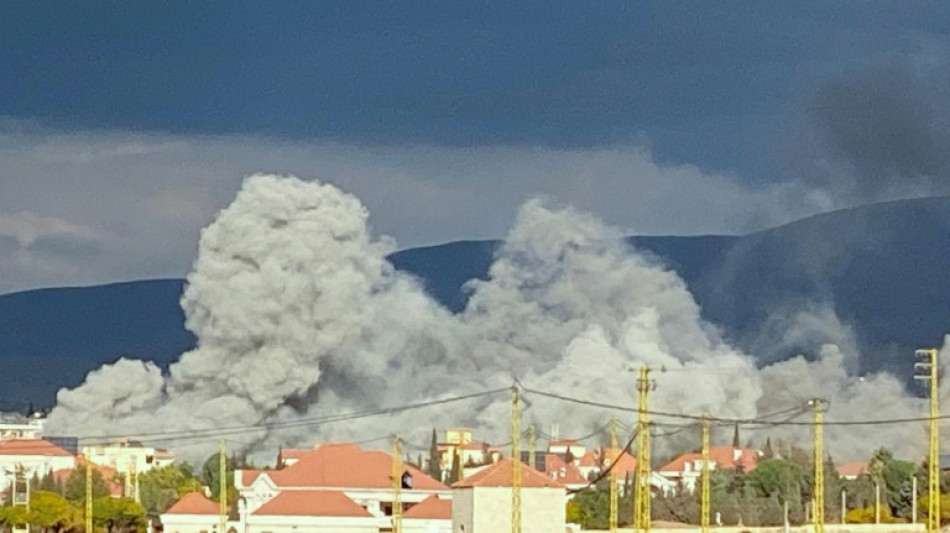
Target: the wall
pixel 418 525
pixel 302 524
pixel 829 528
pixel 188 523
pixel 463 510
pixel 488 510
pixel 32 464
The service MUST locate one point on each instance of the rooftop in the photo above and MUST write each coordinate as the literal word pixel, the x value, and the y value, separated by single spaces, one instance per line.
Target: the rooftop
pixel 31 447
pixel 501 474
pixel 194 503
pixel 347 466
pixel 312 503
pixel 432 507
pixel 724 457
pixel 852 469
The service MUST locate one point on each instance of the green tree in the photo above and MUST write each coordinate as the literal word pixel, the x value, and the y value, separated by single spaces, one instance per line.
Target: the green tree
pixel 160 487
pixel 767 452
pixel 776 477
pixel 51 512
pixel 75 487
pixel 896 478
pixel 456 473
pixel 13 516
pixel 725 489
pixel 680 505
pixel 118 515
pixel 433 468
pixel 210 476
pixel 48 483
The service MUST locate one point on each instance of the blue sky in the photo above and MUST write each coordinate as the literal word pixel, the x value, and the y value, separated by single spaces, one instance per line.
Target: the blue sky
pixel 774 109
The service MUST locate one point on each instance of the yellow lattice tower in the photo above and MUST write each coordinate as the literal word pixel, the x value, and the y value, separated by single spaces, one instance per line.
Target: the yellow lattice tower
pixel 223 487
pixel 818 493
pixel 930 376
pixel 532 447
pixel 397 485
pixel 515 461
pixel 613 475
pixel 133 480
pixel 88 497
pixel 704 495
pixel 642 496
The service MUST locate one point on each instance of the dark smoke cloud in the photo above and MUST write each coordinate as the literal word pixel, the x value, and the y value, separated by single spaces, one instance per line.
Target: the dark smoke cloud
pixel 887 124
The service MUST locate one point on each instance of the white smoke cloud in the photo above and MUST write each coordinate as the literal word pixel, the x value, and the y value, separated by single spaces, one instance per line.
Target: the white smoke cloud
pixel 299 315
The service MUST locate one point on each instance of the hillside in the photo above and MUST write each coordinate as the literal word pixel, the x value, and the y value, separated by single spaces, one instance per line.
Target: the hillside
pixel 882 268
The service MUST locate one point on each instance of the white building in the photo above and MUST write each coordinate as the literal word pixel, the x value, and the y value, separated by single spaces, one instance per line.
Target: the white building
pixel 686 469
pixel 482 503
pixel 27 428
pixel 432 515
pixel 128 456
pixel 193 513
pixel 334 488
pixel 31 457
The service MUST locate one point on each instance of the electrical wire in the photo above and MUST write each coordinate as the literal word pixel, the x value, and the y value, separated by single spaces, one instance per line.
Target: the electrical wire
pixel 606 472
pixel 301 422
pixel 740 421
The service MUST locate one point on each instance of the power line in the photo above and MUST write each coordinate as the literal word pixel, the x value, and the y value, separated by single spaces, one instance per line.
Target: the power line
pixel 740 421
pixel 302 422
pixel 606 472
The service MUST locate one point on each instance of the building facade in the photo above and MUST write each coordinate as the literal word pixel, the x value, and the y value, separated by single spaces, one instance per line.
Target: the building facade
pixel 482 503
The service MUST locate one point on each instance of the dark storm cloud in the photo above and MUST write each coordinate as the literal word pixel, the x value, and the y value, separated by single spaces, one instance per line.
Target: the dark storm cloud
pixel 889 124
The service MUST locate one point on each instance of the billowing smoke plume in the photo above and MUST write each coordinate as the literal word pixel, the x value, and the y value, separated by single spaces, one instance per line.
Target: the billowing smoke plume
pixel 298 315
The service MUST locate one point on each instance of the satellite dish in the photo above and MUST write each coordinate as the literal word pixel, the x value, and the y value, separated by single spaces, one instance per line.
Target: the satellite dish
pixel 407 481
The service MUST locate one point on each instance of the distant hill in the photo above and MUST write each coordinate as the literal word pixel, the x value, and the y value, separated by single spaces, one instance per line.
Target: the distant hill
pixel 883 268
pixel 52 337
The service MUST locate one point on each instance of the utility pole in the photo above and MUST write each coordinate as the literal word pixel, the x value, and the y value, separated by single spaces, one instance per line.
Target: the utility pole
pixel 88 497
pixel 877 501
pixel 704 498
pixel 613 475
pixel 515 460
pixel 844 505
pixel 223 486
pixel 928 370
pixel 132 481
pixel 642 497
pixel 20 475
pixel 913 506
pixel 532 447
pixel 397 485
pixel 818 494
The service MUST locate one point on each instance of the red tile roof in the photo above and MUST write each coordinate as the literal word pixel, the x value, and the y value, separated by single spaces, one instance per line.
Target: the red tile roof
pixel 347 466
pixel 108 474
pixel 500 475
pixel 31 447
pixel 249 476
pixel 626 463
pixel 311 503
pixel 590 459
pixel 194 503
pixel 431 508
pixel 722 456
pixel 852 469
pixel 557 468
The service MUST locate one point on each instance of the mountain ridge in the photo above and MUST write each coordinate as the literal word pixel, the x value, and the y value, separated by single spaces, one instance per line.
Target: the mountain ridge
pixel 864 265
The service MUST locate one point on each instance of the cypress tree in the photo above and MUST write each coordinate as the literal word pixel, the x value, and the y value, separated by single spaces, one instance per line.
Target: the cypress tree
pixel 735 437
pixel 456 473
pixel 767 452
pixel 434 468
